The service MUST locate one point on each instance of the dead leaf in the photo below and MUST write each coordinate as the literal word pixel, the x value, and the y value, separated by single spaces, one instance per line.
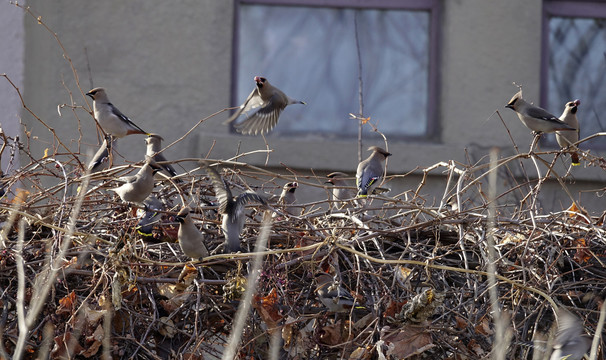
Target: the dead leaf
pixel 461 323
pixel 337 333
pixel 361 353
pixel 166 327
pixel 483 327
pixel 407 341
pixel 67 304
pixel 267 308
pixel 65 347
pixel 582 255
pixel 94 342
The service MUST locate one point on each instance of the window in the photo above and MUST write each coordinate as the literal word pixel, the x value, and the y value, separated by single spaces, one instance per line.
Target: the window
pixel 574 62
pixel 310 53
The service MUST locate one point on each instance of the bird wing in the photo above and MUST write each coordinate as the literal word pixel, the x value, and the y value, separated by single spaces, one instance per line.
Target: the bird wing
pixel 167 167
pixel 100 157
pixel 248 197
pixel 124 118
pixel 537 112
pixel 263 118
pixel 253 101
pixel 221 189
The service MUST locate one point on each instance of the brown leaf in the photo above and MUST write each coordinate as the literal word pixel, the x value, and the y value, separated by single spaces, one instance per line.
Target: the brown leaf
pixel 67 304
pixel 94 342
pixel 267 308
pixel 408 341
pixel 461 323
pixel 65 347
pixel 583 254
pixel 335 334
pixel 361 353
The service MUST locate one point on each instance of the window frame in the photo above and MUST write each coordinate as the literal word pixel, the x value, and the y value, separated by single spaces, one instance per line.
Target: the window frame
pixel 434 7
pixel 562 8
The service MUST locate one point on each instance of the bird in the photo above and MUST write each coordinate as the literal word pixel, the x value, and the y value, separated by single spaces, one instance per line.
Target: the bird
pixel 100 160
pixel 154 145
pixel 190 238
pixel 370 171
pixel 571 342
pixel 567 138
pixel 112 120
pixel 332 295
pixel 287 197
pixel 341 190
pixel 137 188
pixel 534 117
pixel 262 108
pixel 150 217
pixel 231 208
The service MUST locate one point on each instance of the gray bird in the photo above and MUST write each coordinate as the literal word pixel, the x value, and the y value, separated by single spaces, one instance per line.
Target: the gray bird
pixel 190 238
pixel 112 121
pixel 534 117
pixel 100 160
pixel 571 342
pixel 341 190
pixel 332 295
pixel 262 108
pixel 232 209
pixel 370 171
pixel 151 216
pixel 287 197
pixel 137 188
pixel 567 138
pixel 154 144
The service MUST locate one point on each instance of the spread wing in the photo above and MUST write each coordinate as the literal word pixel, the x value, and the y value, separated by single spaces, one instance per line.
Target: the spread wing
pixel 221 189
pixel 263 118
pixel 253 101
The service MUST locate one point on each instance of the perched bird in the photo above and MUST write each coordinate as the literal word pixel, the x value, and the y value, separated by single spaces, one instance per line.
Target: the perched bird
pixel 534 117
pixel 150 217
pixel 370 171
pixel 262 108
pixel 112 121
pixel 288 198
pixel 231 208
pixel 100 160
pixel 190 238
pixel 138 187
pixel 332 295
pixel 571 342
pixel 154 144
pixel 567 138
pixel 340 192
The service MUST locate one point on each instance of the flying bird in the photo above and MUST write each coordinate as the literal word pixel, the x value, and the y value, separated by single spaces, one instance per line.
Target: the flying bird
pixel 112 120
pixel 231 208
pixel 262 108
pixel 571 342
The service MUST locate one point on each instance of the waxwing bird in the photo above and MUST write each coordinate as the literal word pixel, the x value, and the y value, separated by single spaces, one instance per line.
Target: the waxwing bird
pixel 332 295
pixel 370 171
pixel 534 117
pixel 154 145
pixel 262 108
pixel 137 188
pixel 232 209
pixel 150 217
pixel 287 197
pixel 571 342
pixel 567 138
pixel 340 192
pixel 100 160
pixel 190 238
pixel 112 121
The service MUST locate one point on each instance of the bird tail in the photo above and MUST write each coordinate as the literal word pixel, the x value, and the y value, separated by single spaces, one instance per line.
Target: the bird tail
pixel 575 159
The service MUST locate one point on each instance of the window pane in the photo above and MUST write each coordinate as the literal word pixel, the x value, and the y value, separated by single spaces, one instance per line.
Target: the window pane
pixel 577 70
pixel 310 54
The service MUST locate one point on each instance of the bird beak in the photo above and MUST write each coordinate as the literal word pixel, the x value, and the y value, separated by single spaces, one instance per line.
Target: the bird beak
pixel 509 106
pixel 329 181
pixel 91 95
pixel 577 102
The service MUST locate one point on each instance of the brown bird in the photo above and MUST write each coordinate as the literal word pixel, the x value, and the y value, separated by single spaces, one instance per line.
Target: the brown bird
pixel 567 138
pixel 262 108
pixel 112 121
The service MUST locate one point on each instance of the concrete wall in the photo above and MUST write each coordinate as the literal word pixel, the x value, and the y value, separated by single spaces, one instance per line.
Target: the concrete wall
pixel 168 64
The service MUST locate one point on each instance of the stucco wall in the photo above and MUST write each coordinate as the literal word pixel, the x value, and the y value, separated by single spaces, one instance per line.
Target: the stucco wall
pixel 168 64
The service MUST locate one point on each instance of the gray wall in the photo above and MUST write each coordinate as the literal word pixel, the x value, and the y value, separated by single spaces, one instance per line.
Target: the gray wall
pixel 168 64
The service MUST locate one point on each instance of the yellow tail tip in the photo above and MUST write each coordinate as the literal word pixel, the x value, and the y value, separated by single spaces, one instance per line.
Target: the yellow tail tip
pixel 576 164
